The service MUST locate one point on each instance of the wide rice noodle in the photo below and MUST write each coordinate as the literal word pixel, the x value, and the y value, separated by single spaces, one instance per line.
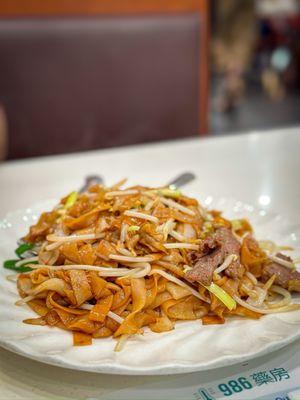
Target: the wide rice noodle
pixel 113 262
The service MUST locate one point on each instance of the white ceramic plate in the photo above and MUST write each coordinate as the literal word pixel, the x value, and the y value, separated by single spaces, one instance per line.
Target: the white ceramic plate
pixel 190 347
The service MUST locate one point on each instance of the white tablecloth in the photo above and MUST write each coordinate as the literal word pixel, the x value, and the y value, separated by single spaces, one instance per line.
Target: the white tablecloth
pixel 260 168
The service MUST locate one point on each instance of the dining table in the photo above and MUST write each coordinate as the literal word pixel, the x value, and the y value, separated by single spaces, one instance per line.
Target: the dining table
pixel 261 168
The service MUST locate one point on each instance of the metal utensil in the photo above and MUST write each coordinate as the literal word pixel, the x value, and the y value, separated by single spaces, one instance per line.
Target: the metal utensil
pixel 89 181
pixel 181 180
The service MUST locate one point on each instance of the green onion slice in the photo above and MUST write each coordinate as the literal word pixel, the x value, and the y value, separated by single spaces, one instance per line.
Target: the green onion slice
pixel 223 296
pixel 133 228
pixel 175 194
pixel 22 248
pixel 11 264
pixel 71 199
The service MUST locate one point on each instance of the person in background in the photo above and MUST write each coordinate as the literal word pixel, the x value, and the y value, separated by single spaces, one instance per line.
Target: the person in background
pixel 3 134
pixel 255 44
pixel 232 49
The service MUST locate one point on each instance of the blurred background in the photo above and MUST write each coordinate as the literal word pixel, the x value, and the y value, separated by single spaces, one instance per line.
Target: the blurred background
pixel 255 69
pixel 78 76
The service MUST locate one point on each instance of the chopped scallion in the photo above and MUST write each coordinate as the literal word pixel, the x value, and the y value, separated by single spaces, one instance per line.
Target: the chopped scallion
pixel 236 224
pixel 175 194
pixel 22 248
pixel 11 264
pixel 133 228
pixel 223 296
pixel 71 199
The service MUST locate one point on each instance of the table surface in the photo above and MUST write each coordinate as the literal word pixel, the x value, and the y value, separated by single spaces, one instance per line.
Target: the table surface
pixel 260 168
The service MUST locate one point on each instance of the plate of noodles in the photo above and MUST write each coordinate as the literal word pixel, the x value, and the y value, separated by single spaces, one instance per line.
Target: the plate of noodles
pixel 143 280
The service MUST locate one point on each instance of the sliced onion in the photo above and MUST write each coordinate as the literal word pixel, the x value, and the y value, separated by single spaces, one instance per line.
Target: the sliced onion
pixel 228 260
pixel 284 263
pixel 167 228
pixel 251 277
pixel 261 295
pixel 181 246
pixel 48 257
pixel 59 240
pixel 289 307
pixel 103 271
pixel 269 282
pixel 118 272
pixel 287 298
pixel 26 261
pixel 172 204
pixel 125 252
pixel 117 257
pixel 70 267
pixel 142 270
pixel 123 232
pixel 252 293
pixel 137 214
pixel 121 193
pixel 149 205
pixel 73 238
pixel 178 236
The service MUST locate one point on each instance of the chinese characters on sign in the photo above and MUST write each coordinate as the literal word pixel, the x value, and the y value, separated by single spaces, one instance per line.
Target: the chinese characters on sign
pixel 241 383
pixel 273 375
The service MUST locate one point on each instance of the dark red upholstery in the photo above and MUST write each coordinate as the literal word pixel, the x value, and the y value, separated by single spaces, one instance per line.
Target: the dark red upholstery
pixel 70 84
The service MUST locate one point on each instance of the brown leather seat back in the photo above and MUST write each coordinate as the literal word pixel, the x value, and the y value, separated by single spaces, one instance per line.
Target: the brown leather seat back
pixel 70 84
